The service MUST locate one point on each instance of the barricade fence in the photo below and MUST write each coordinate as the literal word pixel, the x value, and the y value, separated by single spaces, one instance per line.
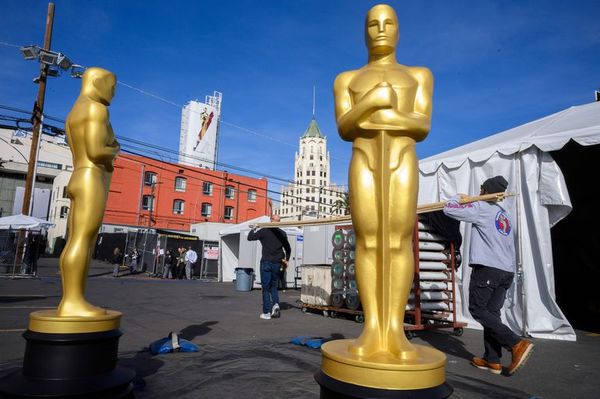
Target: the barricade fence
pixel 146 251
pixel 20 251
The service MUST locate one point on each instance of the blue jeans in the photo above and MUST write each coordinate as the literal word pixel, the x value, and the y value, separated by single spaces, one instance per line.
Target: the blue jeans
pixel 487 291
pixel 269 275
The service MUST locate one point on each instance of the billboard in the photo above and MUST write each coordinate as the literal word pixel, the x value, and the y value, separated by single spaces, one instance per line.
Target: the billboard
pixel 199 132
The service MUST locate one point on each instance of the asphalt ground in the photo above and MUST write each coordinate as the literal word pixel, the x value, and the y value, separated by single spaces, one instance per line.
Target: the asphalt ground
pixel 242 355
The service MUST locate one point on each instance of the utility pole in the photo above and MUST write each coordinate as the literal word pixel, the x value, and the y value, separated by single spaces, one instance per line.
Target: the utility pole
pixel 38 115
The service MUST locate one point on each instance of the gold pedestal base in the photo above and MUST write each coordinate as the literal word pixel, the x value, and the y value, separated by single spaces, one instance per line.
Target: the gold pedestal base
pixel 384 371
pixel 48 321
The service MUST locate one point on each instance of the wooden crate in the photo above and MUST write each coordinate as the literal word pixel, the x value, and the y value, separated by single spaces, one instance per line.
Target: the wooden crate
pixel 316 284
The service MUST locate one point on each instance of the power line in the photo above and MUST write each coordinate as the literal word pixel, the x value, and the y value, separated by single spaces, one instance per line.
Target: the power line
pixel 146 93
pixel 222 164
pixel 10 45
pixel 180 106
pixel 288 182
pixel 200 171
pixel 46 116
pixel 257 134
pixel 166 101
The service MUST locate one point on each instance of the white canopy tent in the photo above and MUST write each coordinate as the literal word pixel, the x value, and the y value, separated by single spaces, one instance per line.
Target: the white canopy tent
pixel 12 244
pixel 21 221
pixel 522 156
pixel 230 249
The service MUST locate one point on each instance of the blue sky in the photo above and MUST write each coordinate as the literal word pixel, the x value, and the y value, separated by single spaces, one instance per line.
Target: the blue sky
pixel 496 65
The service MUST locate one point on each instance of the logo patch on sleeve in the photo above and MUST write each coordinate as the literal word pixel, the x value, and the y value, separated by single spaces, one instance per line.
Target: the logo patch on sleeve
pixel 503 224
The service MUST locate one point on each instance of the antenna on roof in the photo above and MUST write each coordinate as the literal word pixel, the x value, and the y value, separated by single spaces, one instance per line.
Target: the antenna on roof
pixel 314 90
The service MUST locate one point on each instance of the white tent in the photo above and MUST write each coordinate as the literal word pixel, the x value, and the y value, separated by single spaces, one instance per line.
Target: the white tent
pixel 522 156
pixel 24 222
pixel 230 247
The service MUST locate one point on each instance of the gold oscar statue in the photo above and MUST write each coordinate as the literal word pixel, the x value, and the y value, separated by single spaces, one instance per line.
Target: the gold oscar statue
pixel 93 145
pixel 383 108
pixel 72 351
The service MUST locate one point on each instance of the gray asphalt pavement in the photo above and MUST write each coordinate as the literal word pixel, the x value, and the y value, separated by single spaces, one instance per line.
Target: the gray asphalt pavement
pixel 242 355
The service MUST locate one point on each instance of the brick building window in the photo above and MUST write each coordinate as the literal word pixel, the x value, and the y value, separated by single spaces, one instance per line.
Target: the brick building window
pixel 252 196
pixel 178 206
pixel 206 209
pixel 207 188
pixel 148 202
pixel 229 192
pixel 149 178
pixel 180 183
pixel 228 213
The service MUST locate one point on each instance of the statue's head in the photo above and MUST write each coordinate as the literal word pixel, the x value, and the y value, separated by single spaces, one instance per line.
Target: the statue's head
pixel 381 29
pixel 99 84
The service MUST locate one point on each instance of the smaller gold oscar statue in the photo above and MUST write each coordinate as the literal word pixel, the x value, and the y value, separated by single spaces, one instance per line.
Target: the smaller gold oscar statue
pixel 72 351
pixel 383 109
pixel 94 147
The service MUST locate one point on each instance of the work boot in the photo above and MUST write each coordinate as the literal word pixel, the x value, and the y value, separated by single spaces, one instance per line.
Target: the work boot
pixel 495 368
pixel 520 353
pixel 275 312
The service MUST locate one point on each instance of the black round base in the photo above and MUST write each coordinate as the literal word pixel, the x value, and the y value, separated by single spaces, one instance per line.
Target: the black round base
pixel 334 389
pixel 82 365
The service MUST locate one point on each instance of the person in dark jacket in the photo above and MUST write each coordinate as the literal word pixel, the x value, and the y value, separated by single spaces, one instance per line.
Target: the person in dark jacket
pixel 167 271
pixel 32 253
pixel 276 252
pixel 174 261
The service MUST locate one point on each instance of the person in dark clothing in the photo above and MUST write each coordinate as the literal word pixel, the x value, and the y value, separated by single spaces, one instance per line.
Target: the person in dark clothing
pixel 32 253
pixel 117 259
pixel 174 261
pixel 276 252
pixel 167 270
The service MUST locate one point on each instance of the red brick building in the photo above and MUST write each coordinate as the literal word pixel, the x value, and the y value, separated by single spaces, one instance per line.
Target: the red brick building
pixel 146 192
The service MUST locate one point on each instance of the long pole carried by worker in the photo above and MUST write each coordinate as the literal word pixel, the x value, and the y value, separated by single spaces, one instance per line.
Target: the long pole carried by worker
pixel 435 206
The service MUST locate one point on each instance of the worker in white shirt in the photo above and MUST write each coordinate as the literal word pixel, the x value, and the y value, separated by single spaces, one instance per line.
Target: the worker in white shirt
pixel 190 258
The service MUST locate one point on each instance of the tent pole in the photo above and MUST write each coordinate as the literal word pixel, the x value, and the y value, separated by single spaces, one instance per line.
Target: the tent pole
pixel 16 251
pixel 520 272
pixel 125 249
pixel 219 261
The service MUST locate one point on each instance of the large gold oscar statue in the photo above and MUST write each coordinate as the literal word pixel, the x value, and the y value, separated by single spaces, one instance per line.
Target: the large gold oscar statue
pixel 93 145
pixel 383 108
pixel 72 351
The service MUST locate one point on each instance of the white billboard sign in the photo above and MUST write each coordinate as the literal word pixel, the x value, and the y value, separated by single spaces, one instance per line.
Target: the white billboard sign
pixel 198 138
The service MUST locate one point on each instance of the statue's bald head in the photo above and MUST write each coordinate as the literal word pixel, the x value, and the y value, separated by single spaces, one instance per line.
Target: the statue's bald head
pixel 99 84
pixel 381 28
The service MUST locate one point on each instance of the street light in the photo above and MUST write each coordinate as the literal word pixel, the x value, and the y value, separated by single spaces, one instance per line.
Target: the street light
pixel 77 71
pixel 54 60
pixel 48 57
pixel 30 52
pixel 63 61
